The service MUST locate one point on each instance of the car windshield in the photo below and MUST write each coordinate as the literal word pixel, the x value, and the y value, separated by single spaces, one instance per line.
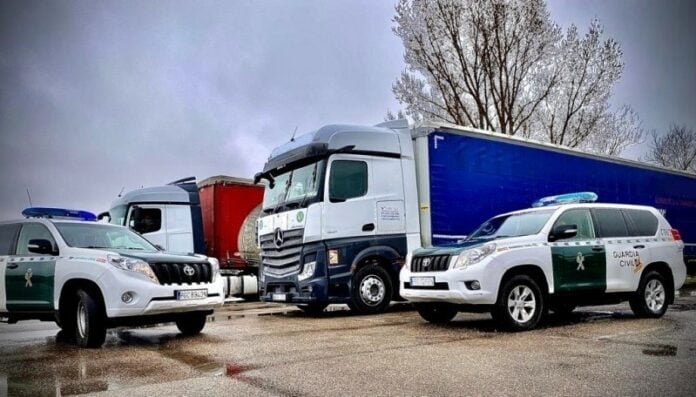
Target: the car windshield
pixel 513 225
pixel 294 186
pixel 85 235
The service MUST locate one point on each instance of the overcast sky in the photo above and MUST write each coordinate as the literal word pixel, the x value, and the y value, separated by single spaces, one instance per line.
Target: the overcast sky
pixel 96 96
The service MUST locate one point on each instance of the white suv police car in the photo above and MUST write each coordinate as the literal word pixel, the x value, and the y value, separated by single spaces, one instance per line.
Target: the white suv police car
pixel 522 264
pixel 89 276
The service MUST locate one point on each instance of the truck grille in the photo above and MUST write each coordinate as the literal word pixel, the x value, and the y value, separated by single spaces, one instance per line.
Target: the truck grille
pixel 435 263
pixel 175 273
pixel 284 260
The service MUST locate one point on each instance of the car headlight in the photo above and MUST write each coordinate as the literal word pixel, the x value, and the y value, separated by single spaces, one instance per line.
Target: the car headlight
pixel 215 265
pixel 474 255
pixel 133 265
pixel 307 271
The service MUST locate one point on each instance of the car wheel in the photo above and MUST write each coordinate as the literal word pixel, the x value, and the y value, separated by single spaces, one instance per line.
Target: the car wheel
pixel 520 305
pixel 437 313
pixel 89 320
pixel 650 300
pixel 313 308
pixel 372 290
pixel 191 323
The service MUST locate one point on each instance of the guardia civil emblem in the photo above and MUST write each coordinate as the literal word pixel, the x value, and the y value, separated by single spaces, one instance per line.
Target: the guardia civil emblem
pixel 580 260
pixel 27 278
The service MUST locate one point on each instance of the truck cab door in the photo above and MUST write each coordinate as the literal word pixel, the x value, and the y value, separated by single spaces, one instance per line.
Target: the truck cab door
pixel 349 210
pixel 179 230
pixel 29 277
pixel 150 220
pixel 579 263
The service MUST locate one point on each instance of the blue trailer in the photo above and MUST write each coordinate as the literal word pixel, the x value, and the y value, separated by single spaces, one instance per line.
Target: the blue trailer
pixel 344 204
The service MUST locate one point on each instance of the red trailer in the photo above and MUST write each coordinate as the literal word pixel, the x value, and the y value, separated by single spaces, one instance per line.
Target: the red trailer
pixel 227 204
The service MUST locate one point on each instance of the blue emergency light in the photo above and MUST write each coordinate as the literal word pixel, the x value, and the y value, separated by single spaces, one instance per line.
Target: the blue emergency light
pixel 44 212
pixel 569 198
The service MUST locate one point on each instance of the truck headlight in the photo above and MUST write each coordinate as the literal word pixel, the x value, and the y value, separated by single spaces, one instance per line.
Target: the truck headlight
pixel 472 256
pixel 214 265
pixel 133 265
pixel 307 271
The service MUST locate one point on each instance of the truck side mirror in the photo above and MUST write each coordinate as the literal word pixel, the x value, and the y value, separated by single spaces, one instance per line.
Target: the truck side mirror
pixel 40 246
pixel 562 232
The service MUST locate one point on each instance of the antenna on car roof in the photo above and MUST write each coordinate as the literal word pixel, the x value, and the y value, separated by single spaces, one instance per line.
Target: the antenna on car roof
pixel 29 195
pixel 292 138
pixel 121 192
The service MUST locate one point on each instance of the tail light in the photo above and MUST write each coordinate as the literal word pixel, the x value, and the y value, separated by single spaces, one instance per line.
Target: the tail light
pixel 675 235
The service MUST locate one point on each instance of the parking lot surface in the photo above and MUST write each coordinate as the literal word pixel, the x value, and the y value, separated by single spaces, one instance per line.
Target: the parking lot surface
pixel 258 349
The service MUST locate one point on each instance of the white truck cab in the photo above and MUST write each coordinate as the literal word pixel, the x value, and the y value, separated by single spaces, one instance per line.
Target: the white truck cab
pixel 520 264
pixel 90 276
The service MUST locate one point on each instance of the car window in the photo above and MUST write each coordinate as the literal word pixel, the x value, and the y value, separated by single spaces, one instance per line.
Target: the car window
pixel 32 231
pixel 348 180
pixel 641 222
pixel 7 235
pixel 610 222
pixel 582 219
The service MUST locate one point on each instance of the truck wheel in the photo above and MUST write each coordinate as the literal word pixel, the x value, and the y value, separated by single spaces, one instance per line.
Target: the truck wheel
pixel 650 300
pixel 520 304
pixel 371 291
pixel 313 308
pixel 191 323
pixel 436 313
pixel 89 320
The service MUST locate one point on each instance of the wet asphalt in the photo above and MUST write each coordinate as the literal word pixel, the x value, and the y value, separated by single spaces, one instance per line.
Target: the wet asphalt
pixel 257 349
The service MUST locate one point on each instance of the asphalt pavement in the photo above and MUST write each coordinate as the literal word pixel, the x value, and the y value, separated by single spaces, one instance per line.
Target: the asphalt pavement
pixel 258 349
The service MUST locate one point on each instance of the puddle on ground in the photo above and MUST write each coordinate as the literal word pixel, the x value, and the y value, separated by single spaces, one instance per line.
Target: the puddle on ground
pixel 661 351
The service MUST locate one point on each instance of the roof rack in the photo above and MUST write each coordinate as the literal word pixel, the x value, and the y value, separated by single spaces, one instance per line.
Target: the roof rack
pixel 188 179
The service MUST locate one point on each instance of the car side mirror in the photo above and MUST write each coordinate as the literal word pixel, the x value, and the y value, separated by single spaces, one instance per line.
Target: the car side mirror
pixel 562 232
pixel 40 246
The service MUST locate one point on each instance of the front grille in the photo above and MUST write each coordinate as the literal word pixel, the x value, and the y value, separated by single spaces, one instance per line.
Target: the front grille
pixel 175 273
pixel 433 263
pixel 284 260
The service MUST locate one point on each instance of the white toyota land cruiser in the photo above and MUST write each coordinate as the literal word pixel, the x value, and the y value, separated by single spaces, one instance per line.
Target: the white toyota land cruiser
pixel 522 264
pixel 90 276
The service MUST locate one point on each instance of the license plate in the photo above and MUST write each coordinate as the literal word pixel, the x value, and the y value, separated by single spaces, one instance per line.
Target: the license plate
pixel 422 281
pixel 279 297
pixel 191 294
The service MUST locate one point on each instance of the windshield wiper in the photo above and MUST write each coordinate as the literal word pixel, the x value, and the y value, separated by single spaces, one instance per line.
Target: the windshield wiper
pixel 95 247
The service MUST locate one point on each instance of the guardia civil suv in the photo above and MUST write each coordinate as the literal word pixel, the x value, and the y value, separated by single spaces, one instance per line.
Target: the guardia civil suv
pixel 556 257
pixel 59 265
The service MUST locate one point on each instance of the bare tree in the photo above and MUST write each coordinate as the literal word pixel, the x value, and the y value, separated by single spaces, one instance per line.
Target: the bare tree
pixel 615 132
pixel 391 116
pixel 675 149
pixel 503 65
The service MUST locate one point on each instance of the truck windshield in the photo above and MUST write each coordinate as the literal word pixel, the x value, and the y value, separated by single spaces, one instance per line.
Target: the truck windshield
pixel 514 225
pixel 84 235
pixel 117 215
pixel 293 187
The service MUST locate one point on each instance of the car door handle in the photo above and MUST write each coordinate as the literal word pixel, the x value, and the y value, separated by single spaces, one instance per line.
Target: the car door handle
pixel 598 249
pixel 368 227
pixel 12 265
pixel 638 247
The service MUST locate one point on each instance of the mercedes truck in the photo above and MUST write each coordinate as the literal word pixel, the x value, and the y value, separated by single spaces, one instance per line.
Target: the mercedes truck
pixel 344 205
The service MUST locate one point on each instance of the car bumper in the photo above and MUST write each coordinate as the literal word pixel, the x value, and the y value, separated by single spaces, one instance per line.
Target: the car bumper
pixel 452 286
pixel 154 299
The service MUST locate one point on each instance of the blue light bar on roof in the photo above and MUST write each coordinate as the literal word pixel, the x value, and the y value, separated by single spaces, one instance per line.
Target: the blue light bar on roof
pixel 570 198
pixel 43 212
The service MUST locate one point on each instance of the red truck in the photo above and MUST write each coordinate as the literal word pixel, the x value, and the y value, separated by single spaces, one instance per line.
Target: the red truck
pixel 215 217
